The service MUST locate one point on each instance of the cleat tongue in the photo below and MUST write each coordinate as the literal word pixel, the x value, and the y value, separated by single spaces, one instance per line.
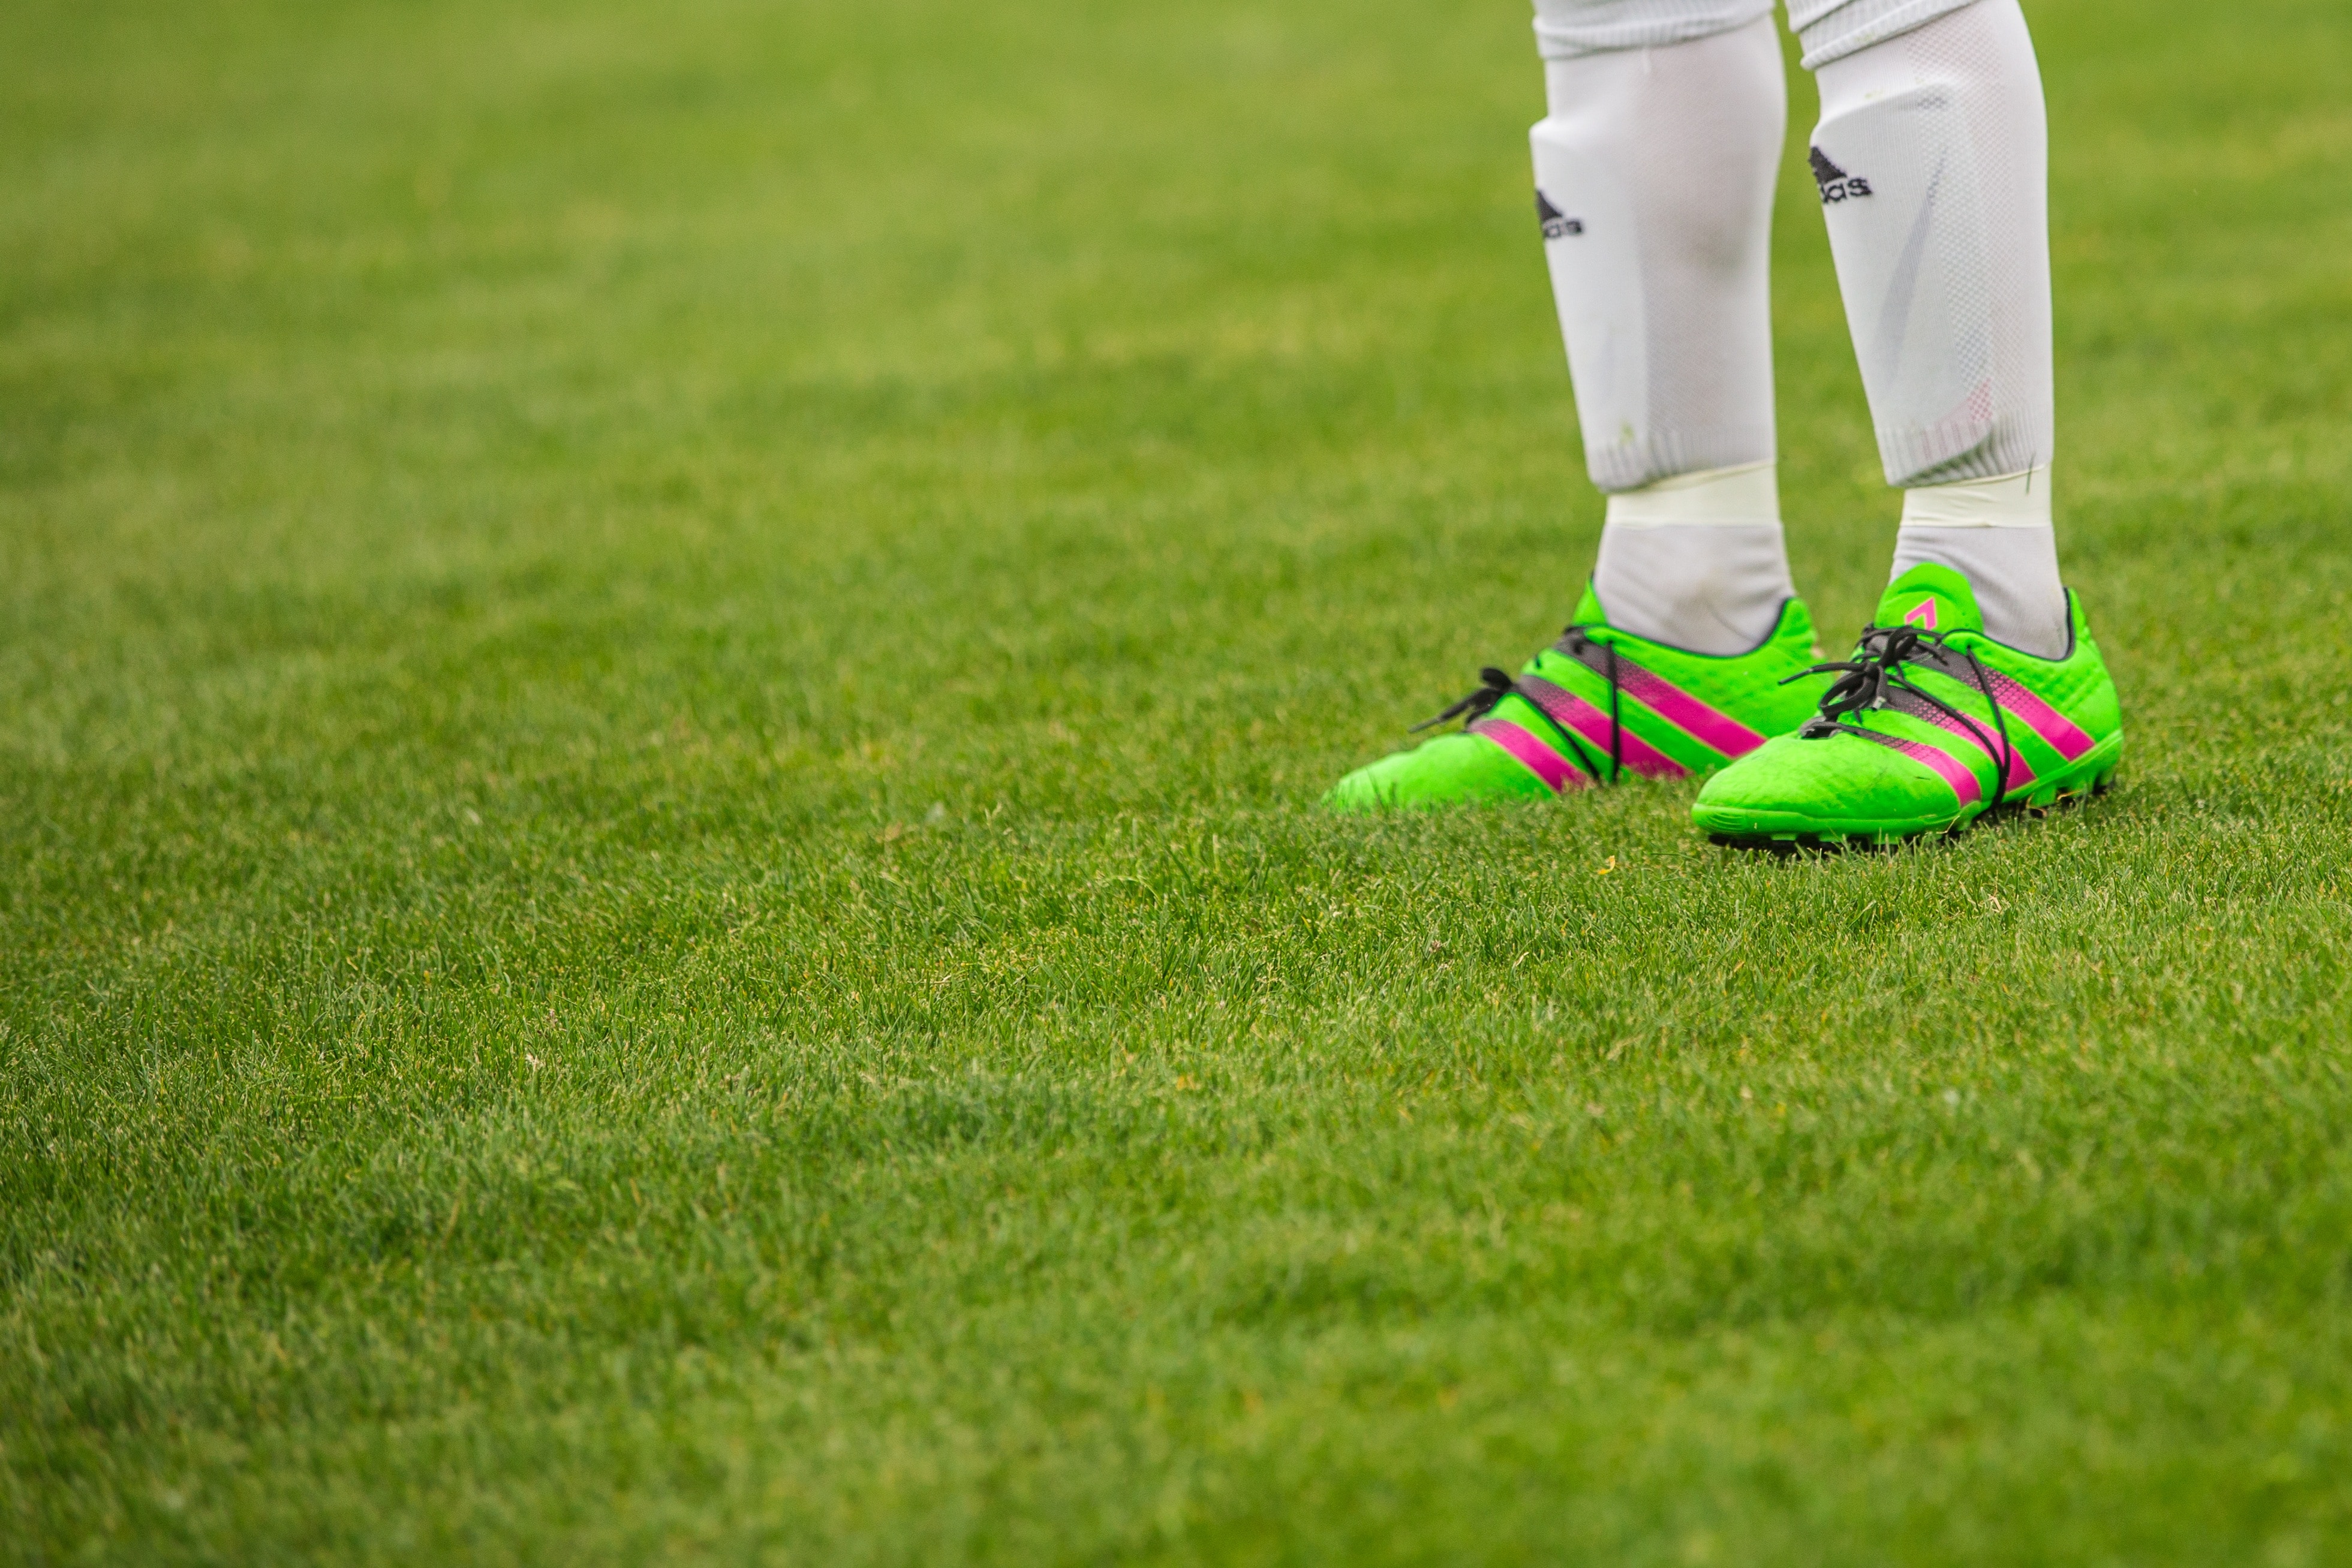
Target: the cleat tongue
pixel 1588 609
pixel 1931 597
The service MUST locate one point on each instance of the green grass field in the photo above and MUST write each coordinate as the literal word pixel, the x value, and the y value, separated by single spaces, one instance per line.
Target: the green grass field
pixel 661 674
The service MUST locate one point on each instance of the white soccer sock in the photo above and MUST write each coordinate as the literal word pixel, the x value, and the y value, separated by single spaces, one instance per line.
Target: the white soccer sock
pixel 1697 560
pixel 1931 156
pixel 1653 177
pixel 1997 534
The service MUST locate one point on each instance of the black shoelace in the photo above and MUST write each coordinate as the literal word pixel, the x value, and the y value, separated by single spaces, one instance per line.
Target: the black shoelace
pixel 1876 668
pixel 1495 684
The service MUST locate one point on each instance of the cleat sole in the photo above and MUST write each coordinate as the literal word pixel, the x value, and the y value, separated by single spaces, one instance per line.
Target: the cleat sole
pixel 2055 796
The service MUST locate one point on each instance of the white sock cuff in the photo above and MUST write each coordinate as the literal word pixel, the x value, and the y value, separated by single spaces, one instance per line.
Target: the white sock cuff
pixel 1831 30
pixel 1568 29
pixel 1747 493
pixel 2019 501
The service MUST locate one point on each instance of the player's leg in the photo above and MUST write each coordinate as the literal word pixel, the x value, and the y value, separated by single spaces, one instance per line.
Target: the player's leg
pixel 1932 158
pixel 1653 183
pixel 1653 191
pixel 1980 684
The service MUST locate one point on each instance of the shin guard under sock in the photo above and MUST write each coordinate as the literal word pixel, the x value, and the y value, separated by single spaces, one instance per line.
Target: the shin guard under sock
pixel 1653 185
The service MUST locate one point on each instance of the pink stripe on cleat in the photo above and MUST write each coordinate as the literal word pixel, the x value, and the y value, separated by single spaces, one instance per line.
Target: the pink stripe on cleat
pixel 1949 769
pixel 1541 760
pixel 2020 772
pixel 1573 712
pixel 1709 727
pixel 2060 732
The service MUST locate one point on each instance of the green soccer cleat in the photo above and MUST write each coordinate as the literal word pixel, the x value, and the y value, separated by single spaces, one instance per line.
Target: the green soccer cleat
pixel 1929 726
pixel 1596 704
